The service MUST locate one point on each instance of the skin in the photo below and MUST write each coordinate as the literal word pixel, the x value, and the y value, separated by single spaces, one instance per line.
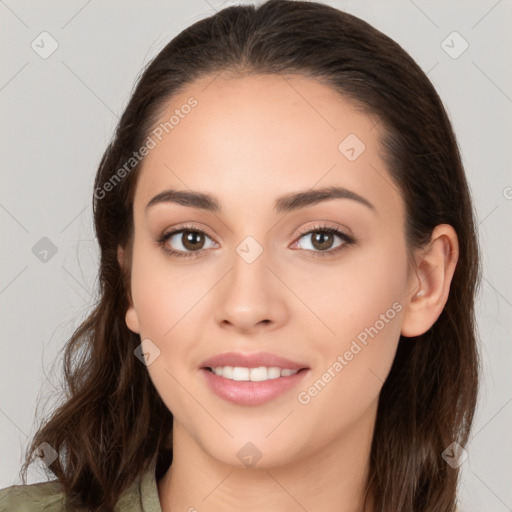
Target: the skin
pixel 250 140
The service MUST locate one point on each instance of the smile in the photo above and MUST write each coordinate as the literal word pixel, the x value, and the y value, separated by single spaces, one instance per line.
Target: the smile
pixel 237 386
pixel 252 378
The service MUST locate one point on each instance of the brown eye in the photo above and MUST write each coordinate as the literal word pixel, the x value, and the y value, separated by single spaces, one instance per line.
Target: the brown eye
pixel 186 242
pixel 322 240
pixel 192 240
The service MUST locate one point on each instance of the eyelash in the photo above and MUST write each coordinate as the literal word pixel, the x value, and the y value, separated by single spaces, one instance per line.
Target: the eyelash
pixel 347 239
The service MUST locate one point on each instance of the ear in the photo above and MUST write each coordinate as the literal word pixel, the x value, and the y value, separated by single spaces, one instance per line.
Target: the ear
pixel 131 317
pixel 430 281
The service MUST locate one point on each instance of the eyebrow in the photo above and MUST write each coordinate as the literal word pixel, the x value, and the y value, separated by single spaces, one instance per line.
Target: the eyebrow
pixel 285 203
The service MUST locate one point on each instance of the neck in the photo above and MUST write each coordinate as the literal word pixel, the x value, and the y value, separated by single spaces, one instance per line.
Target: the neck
pixel 333 478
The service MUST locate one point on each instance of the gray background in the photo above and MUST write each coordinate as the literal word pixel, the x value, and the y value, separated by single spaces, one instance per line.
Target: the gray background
pixel 59 112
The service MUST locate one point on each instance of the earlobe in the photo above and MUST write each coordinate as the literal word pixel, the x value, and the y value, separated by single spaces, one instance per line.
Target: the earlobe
pixel 131 317
pixel 132 320
pixel 430 282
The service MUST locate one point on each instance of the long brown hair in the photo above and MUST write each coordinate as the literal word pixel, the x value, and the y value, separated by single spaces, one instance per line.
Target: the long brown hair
pixel 112 422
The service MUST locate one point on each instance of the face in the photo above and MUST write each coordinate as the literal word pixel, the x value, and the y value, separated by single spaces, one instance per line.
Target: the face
pixel 317 279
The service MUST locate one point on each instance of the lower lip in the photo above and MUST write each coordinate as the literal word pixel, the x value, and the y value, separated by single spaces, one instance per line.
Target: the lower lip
pixel 243 392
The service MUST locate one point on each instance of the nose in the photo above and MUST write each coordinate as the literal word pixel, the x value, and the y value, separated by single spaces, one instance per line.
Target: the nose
pixel 251 298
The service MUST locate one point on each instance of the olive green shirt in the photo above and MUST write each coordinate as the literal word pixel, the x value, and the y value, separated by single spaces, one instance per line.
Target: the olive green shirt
pixel 141 496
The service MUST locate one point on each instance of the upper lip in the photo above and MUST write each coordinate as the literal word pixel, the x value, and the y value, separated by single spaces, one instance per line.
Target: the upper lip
pixel 252 360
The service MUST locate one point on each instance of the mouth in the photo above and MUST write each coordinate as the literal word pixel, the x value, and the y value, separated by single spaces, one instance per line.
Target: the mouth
pixel 251 379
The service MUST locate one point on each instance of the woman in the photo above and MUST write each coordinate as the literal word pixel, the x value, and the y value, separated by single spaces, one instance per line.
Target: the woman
pixel 288 271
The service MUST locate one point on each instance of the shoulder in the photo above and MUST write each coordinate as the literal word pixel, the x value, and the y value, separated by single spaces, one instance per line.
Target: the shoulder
pixel 46 496
pixel 141 495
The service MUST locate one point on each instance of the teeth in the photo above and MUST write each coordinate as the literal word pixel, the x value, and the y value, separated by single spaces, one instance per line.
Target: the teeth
pixel 253 374
pixel 240 373
pixel 273 372
pixel 257 374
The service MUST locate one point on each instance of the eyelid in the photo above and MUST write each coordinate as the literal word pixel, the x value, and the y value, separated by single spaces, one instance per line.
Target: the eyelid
pixel 347 239
pixel 326 226
pixel 187 227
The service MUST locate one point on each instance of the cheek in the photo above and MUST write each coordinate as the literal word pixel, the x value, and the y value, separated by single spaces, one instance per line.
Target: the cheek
pixel 361 304
pixel 164 293
pixel 353 295
pixel 168 299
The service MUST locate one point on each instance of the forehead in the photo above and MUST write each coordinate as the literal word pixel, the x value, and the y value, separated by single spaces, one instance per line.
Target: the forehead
pixel 263 136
